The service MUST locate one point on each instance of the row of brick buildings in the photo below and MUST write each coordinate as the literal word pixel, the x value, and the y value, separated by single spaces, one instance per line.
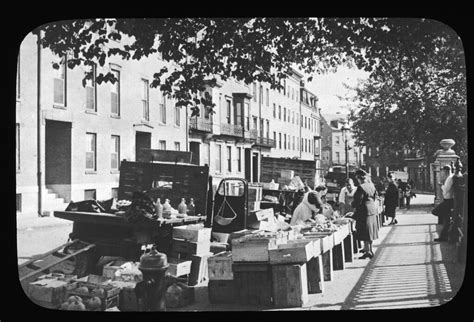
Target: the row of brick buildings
pixel 75 136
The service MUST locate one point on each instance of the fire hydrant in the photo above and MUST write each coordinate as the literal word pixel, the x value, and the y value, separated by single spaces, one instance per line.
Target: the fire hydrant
pixel 151 291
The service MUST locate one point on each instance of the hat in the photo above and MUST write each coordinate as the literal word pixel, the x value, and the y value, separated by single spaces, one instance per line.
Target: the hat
pixel 360 173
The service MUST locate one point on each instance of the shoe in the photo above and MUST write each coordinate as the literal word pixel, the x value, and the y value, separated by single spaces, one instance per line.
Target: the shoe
pixel 367 255
pixel 440 240
pixel 395 221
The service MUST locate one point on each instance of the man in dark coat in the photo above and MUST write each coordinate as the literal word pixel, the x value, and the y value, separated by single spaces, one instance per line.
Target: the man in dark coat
pixel 391 199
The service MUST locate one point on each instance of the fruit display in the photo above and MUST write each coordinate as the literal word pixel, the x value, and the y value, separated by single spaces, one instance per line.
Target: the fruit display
pixel 90 297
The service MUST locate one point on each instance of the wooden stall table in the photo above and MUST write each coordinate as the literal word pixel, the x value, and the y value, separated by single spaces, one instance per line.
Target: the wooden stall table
pixel 327 244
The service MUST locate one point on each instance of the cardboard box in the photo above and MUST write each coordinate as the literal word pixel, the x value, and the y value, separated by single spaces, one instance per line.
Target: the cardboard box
pixel 287 174
pixel 179 267
pixel 194 233
pixel 220 267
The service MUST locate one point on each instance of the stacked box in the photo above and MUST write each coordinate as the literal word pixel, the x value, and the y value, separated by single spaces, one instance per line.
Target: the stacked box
pixel 220 267
pixel 49 292
pixel 253 283
pixel 290 285
pixel 192 233
pixel 189 247
pixel 179 267
pixel 252 248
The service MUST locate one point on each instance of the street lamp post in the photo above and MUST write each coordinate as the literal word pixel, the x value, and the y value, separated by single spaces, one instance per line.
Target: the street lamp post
pixel 344 130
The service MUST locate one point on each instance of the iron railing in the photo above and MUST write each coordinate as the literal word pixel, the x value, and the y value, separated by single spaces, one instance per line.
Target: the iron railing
pixel 199 124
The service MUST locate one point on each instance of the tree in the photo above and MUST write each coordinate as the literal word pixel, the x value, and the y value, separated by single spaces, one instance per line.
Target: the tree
pixel 201 49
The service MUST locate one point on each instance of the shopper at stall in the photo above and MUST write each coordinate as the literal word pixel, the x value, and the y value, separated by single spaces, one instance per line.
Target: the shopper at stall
pixel 367 229
pixel 346 196
pixel 445 208
pixel 408 195
pixel 309 207
pixel 391 199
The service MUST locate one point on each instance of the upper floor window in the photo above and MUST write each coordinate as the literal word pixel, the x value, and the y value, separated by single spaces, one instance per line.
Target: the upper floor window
pixel 336 140
pixel 229 158
pixel 115 94
pixel 162 145
pixel 91 151
pixel 229 112
pixel 274 110
pixel 254 92
pixel 218 158
pixel 60 79
pixel 279 112
pixel 162 107
pixel 145 100
pixel 177 146
pixel 177 115
pixel 91 89
pixel 284 114
pixel 268 97
pixel 115 154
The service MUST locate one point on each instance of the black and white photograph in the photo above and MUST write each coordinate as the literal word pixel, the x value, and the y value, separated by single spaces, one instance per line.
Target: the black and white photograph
pixel 241 164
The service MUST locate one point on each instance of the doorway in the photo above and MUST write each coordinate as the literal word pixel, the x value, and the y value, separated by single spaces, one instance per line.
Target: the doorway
pixel 58 158
pixel 194 148
pixel 255 166
pixel 248 164
pixel 142 141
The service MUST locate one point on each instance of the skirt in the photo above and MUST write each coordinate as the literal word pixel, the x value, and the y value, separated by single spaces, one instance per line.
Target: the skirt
pixel 367 228
pixel 390 211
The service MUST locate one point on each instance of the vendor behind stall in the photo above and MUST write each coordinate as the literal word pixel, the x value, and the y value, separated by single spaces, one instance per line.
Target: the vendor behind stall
pixel 309 207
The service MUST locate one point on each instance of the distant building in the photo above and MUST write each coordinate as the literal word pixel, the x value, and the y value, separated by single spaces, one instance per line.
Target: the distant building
pixel 84 132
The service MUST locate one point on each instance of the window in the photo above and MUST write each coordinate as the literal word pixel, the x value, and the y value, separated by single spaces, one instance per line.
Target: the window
pixel 292 117
pixel 229 111
pixel 89 194
pixel 229 159
pixel 279 140
pixel 302 145
pixel 261 127
pixel 114 193
pixel 145 100
pixel 177 146
pixel 336 141
pixel 60 78
pixel 91 150
pixel 284 87
pixel 292 93
pixel 254 92
pixel 338 159
pixel 17 152
pixel 274 110
pixel 284 142
pixel 162 106
pixel 288 91
pixel 305 145
pixel 91 88
pixel 284 114
pixel 115 155
pixel 268 129
pixel 274 136
pixel 115 94
pixel 268 97
pixel 301 120
pixel 162 145
pixel 18 202
pixel 279 112
pixel 255 123
pixel 260 95
pixel 356 156
pixel 293 144
pixel 218 158
pixel 247 116
pixel 239 159
pixel 238 114
pixel 177 115
pixel 18 88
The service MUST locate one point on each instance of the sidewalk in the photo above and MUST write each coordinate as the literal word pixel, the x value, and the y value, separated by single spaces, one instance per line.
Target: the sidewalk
pixel 32 221
pixel 409 270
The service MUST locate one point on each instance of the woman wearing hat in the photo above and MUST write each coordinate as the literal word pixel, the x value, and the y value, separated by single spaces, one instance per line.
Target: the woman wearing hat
pixel 365 212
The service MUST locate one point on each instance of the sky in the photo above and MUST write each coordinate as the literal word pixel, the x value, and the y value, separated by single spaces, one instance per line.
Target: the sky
pixel 328 86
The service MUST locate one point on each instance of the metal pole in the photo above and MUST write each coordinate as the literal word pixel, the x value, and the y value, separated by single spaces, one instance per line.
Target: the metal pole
pixel 38 124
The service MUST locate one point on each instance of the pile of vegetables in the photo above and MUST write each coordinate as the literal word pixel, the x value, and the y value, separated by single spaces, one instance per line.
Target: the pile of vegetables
pixel 85 299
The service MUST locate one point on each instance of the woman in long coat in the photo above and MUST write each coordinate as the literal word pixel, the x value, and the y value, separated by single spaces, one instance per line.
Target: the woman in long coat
pixel 365 213
pixel 391 199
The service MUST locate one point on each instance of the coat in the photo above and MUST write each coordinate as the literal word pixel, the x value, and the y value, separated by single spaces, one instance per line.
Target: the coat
pixel 365 212
pixel 304 211
pixel 391 195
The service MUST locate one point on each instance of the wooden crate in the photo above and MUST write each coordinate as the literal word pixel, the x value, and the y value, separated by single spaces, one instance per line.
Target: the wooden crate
pixel 127 297
pixel 110 268
pixel 49 293
pixel 193 233
pixel 256 216
pixel 220 267
pixel 199 267
pixel 109 299
pixel 290 285
pixel 254 205
pixel 192 248
pixel 179 267
pixel 253 283
pixel 250 249
pixel 293 252
pixel 221 291
pixel 185 297
pixel 315 271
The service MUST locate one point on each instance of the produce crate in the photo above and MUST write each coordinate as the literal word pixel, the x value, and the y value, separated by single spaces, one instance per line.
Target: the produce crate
pixel 220 267
pixel 49 292
pixel 253 283
pixel 192 233
pixel 183 298
pixel 255 217
pixel 290 285
pixel 179 267
pixel 199 267
pixel 293 252
pixel 192 248
pixel 252 248
pixel 127 297
pixel 110 268
pixel 109 298
pixel 221 291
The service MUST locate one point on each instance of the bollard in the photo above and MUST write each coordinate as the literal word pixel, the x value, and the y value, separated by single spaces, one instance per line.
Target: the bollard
pixel 151 291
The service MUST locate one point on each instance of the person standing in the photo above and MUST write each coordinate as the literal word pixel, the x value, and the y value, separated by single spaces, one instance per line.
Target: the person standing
pixel 391 199
pixel 407 195
pixel 346 196
pixel 367 229
pixel 444 209
pixel 401 193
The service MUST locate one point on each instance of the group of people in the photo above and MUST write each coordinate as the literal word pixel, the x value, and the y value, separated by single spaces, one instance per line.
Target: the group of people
pixel 358 201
